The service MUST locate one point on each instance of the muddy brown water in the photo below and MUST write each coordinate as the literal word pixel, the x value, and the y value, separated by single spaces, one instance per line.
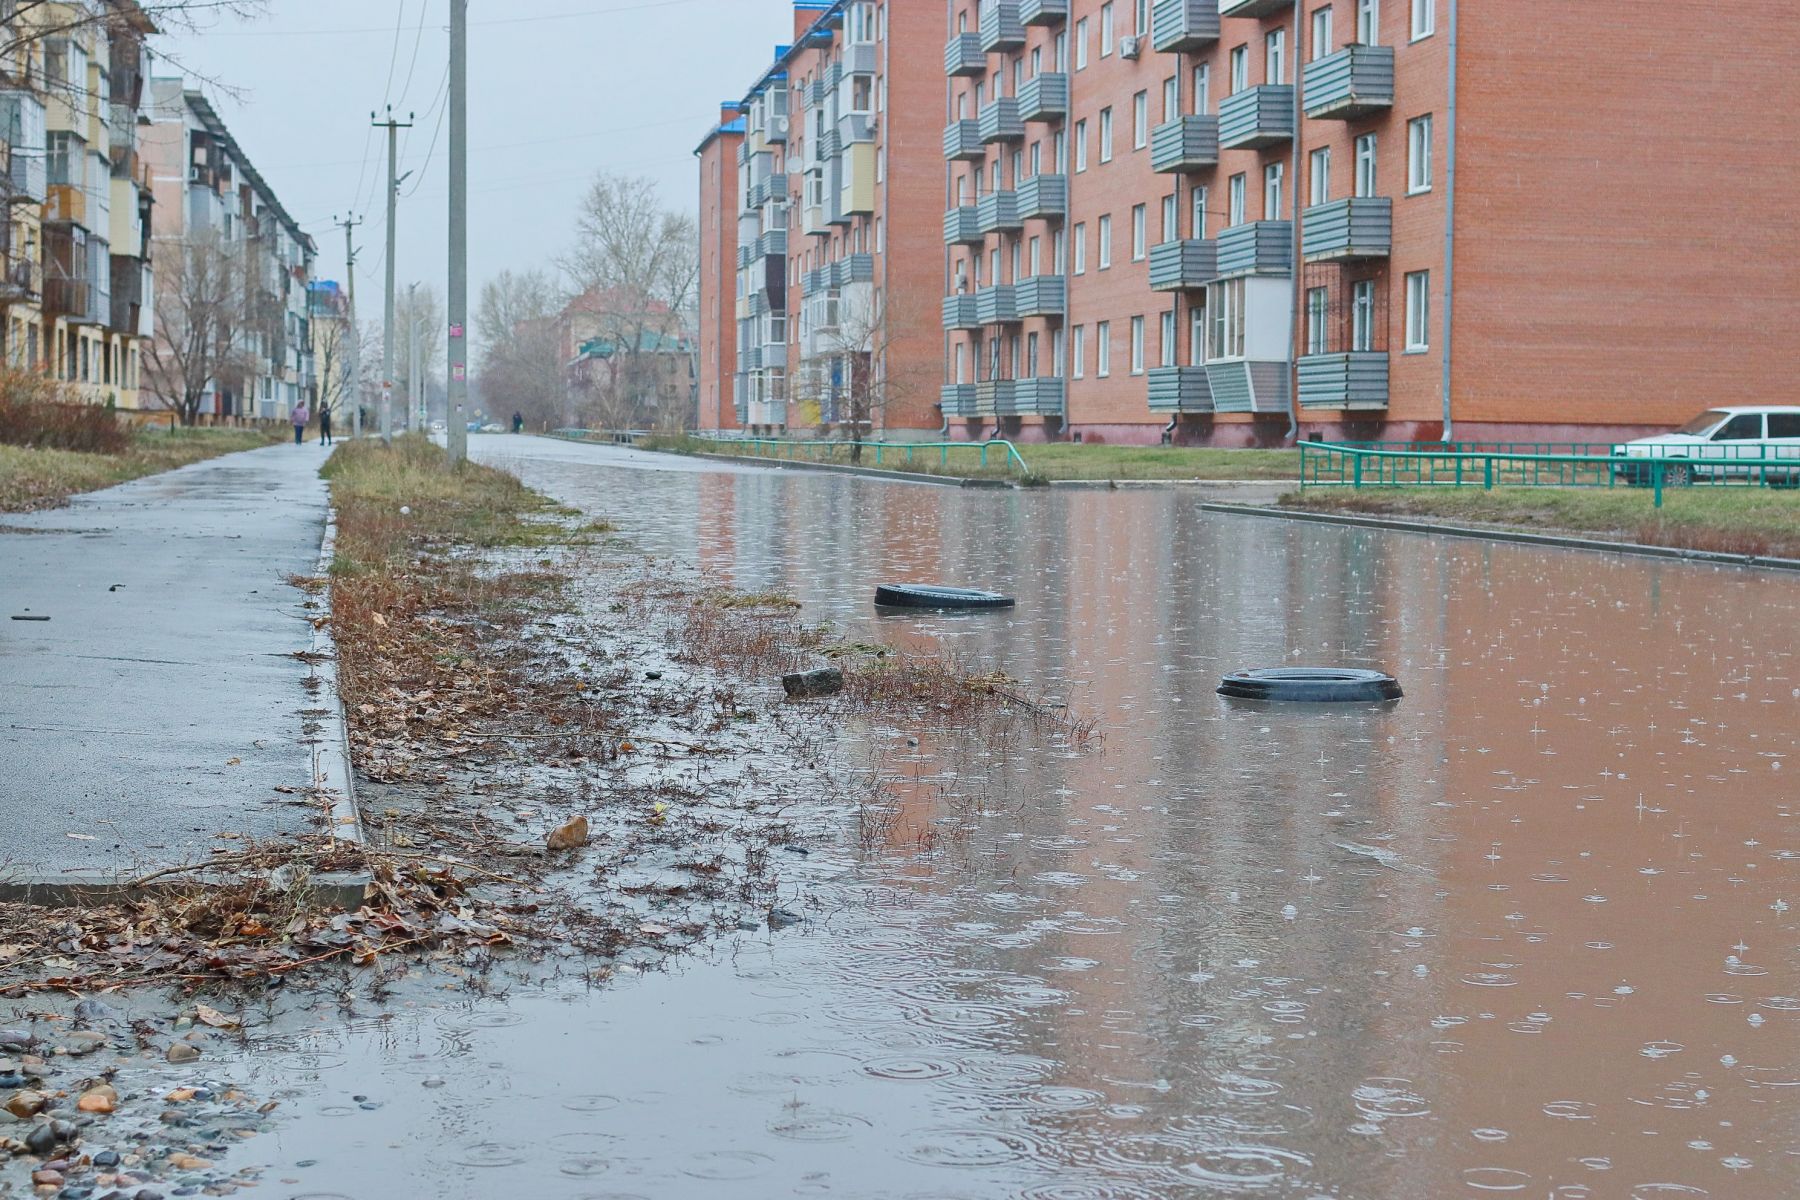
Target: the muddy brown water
pixel 1530 932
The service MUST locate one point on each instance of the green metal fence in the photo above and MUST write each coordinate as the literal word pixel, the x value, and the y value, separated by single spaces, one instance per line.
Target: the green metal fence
pixel 1360 465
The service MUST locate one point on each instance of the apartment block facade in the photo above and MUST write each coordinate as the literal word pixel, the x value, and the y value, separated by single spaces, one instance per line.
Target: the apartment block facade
pixel 1240 221
pixel 719 213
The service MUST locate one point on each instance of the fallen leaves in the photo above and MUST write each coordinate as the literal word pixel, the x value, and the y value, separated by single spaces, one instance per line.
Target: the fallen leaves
pixel 212 1016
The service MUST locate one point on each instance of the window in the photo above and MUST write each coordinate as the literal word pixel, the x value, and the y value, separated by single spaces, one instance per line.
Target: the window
pixel 1418 312
pixel 1171 98
pixel 1202 86
pixel 1240 69
pixel 1235 216
pixel 1056 353
pixel 1166 343
pixel 1197 331
pixel 1061 144
pixel 1080 146
pixel 1424 18
pixel 1031 355
pixel 1275 57
pixel 1365 165
pixel 1225 327
pixel 1169 230
pixel 1142 28
pixel 1105 229
pixel 1140 120
pixel 1784 425
pixel 1078 351
pixel 1106 134
pixel 860 22
pixel 1103 349
pixel 1745 427
pixel 1106 29
pixel 1321 33
pixel 1138 222
pixel 1368 22
pixel 1137 345
pixel 1199 216
pixel 1320 190
pixel 1272 180
pixel 1362 315
pixel 1060 251
pixel 1081 248
pixel 1036 256
pixel 1418 155
pixel 1317 310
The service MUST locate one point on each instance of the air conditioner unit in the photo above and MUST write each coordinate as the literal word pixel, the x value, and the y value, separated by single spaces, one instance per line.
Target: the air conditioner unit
pixel 1130 47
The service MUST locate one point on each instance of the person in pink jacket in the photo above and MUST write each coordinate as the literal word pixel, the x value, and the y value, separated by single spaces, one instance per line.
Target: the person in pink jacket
pixel 300 416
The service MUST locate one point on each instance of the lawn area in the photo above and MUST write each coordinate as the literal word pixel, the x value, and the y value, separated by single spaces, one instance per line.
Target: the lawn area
pixel 32 478
pixel 1733 520
pixel 1044 462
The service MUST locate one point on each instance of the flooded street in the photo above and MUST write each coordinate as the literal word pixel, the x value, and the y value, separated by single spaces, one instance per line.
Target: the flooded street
pixel 1531 931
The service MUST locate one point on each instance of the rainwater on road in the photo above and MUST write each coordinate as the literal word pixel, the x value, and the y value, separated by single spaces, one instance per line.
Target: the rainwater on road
pixel 1530 932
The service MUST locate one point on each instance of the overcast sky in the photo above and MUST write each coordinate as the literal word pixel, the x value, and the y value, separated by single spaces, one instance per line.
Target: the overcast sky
pixel 557 89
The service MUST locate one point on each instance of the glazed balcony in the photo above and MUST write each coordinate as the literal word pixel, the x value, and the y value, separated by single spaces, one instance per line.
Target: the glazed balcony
pixel 963 55
pixel 1357 81
pixel 1185 144
pixel 959 312
pixel 1001 29
pixel 962 140
pixel 1180 390
pixel 1184 26
pixel 1184 265
pixel 998 212
pixel 1044 197
pixel 1358 379
pixel 1045 396
pixel 957 399
pixel 1043 12
pixel 1044 98
pixel 1000 121
pixel 1041 296
pixel 1257 117
pixel 997 305
pixel 1254 8
pixel 962 226
pixel 1346 230
pixel 1256 248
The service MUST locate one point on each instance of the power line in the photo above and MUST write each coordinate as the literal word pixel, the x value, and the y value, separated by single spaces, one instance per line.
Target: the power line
pixel 568 16
pixel 387 92
pixel 418 36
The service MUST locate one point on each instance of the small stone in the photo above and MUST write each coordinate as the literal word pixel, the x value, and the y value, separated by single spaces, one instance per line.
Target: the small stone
pixel 187 1162
pixel 47 1178
pixel 16 1039
pixel 569 835
pixel 781 918
pixel 10 1080
pixel 183 1052
pixel 106 1158
pixel 83 1042
pixel 826 681
pixel 41 1139
pixel 433 1082
pixel 99 1100
pixel 76 1191
pixel 26 1104
pixel 148 1194
pixel 181 1095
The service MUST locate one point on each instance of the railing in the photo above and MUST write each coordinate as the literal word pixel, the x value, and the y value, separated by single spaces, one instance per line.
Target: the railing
pixel 1543 464
pixel 829 450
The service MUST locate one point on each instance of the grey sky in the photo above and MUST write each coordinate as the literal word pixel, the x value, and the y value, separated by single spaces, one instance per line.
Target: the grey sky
pixel 623 84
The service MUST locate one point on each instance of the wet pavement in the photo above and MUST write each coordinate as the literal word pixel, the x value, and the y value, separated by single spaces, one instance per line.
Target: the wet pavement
pixel 160 703
pixel 1530 931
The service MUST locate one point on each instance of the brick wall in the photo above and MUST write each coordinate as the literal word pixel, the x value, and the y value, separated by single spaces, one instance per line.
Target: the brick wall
pixel 718 278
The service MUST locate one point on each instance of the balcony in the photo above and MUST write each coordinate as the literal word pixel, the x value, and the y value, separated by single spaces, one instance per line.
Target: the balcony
pixel 20 279
pixel 1043 12
pixel 1000 121
pixel 999 211
pixel 1044 197
pixel 778 128
pixel 957 399
pixel 1180 390
pixel 852 268
pixel 964 55
pixel 1353 380
pixel 996 397
pixel 1345 230
pixel 1041 296
pixel 959 312
pixel 1254 8
pixel 22 128
pixel 1256 248
pixel 962 226
pixel 1045 396
pixel 772 244
pixel 962 139
pixel 750 358
pixel 1357 81
pixel 997 305
pixel 1257 117
pixel 813 222
pixel 826 146
pixel 1001 29
pixel 854 128
pixel 1249 385
pixel 1183 265
pixel 1044 98
pixel 1185 144
pixel 1184 26
pixel 815 281
pixel 858 58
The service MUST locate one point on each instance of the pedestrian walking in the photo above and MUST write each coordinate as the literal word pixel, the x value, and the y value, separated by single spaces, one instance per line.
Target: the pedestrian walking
pixel 325 425
pixel 518 422
pixel 300 416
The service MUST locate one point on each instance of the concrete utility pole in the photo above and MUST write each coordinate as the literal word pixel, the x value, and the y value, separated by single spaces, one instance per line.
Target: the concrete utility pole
pixel 387 324
pixel 456 398
pixel 350 223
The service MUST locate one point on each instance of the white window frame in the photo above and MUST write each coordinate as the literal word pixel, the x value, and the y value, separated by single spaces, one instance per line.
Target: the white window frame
pixel 1418 155
pixel 1368 22
pixel 1362 315
pixel 1418 312
pixel 1274 182
pixel 1198 214
pixel 1424 18
pixel 1137 345
pixel 1081 151
pixel 1140 233
pixel 1318 308
pixel 1368 149
pixel 1171 104
pixel 1321 33
pixel 1171 218
pixel 1081 44
pixel 1240 69
pixel 1106 29
pixel 1078 352
pixel 1105 134
pixel 1319 177
pixel 1103 230
pixel 1202 89
pixel 1237 200
pixel 1103 349
pixel 1140 120
pixel 1081 248
pixel 1166 338
pixel 1275 57
pixel 1225 329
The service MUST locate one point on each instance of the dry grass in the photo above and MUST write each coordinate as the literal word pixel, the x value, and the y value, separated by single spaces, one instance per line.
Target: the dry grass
pixel 33 479
pixel 42 413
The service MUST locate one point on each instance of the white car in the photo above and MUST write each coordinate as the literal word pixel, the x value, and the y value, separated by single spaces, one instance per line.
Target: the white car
pixel 1708 445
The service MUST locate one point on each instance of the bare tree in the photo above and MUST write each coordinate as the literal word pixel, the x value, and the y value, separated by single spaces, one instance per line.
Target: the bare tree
pixel 639 262
pixel 521 367
pixel 25 21
pixel 861 371
pixel 424 306
pixel 332 359
pixel 198 310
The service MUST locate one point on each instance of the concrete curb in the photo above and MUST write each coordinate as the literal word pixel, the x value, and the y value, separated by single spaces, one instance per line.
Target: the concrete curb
pixel 331 774
pixel 1480 533
pixel 88 891
pixel 778 464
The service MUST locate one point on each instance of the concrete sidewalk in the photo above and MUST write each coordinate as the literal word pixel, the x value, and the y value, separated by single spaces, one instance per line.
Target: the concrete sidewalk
pixel 162 702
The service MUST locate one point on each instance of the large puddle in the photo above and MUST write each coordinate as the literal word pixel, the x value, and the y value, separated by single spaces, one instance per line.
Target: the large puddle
pixel 1530 932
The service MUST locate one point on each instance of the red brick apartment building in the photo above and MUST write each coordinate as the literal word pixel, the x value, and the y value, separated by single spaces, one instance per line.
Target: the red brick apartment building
pixel 718 156
pixel 1231 221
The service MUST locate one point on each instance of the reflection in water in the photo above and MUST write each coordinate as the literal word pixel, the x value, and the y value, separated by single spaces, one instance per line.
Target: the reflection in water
pixel 1529 932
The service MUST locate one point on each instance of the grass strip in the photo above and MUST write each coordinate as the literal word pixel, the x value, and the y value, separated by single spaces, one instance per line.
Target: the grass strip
pixel 32 479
